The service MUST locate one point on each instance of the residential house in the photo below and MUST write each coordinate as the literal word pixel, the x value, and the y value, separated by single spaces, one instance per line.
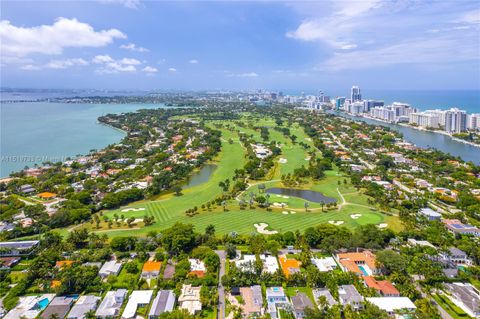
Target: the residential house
pixel 111 304
pixel 361 263
pixel 18 248
pixel 247 263
pixel 27 189
pixel 325 264
pixel 456 256
pixel 400 307
pixel 324 292
pixel 197 267
pixel 163 302
pixel 58 307
pixel 289 266
pixel 151 269
pixel 300 303
pixel 276 299
pixel 457 227
pixel 429 214
pixel 270 264
pixel 8 262
pixel 29 307
pixel 383 287
pixel 465 296
pixel 348 295
pixel 138 298
pixel 190 299
pixel 253 301
pixel 423 243
pixel 111 267
pixel 83 305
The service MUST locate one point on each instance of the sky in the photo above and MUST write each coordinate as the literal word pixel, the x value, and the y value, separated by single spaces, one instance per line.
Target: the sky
pixel 329 45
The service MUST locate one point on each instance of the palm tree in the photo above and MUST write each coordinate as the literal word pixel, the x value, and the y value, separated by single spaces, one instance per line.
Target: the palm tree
pixel 306 204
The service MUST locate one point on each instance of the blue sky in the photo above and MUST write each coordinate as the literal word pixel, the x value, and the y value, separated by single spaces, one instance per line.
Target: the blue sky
pixel 330 45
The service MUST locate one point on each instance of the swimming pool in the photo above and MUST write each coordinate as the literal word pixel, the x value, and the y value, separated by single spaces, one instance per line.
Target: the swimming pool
pixel 43 303
pixel 364 271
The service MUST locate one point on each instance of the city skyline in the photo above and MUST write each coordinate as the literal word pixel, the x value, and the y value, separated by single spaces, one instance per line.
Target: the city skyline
pixel 228 45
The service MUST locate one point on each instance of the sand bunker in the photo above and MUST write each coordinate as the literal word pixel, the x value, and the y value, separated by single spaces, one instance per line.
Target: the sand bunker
pixel 336 223
pixel 285 212
pixel 308 139
pixel 137 220
pixel 279 204
pixel 283 161
pixel 132 210
pixel 307 158
pixel 355 216
pixel 284 196
pixel 382 225
pixel 261 229
pixel 292 212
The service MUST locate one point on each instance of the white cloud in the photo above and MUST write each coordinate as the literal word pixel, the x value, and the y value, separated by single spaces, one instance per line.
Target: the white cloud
pixel 130 4
pixel 110 65
pixel 30 67
pixel 52 39
pixel 172 70
pixel 133 47
pixel 471 17
pixel 63 64
pixel 244 75
pixel 149 69
pixel 193 61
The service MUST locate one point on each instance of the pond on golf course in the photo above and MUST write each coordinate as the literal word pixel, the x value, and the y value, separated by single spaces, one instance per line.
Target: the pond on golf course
pixel 202 176
pixel 309 195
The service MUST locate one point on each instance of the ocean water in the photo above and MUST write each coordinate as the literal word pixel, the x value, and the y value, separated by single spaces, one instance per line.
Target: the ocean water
pixel 32 133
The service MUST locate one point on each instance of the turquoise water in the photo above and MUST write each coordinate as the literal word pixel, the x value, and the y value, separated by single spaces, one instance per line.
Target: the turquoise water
pixel 37 132
pixel 43 303
pixel 364 271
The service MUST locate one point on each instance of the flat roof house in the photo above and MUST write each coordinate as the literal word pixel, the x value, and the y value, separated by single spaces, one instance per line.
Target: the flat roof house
pixel 163 302
pixel 247 263
pixel 151 269
pixel 190 299
pixel 83 305
pixel 429 214
pixel 361 263
pixel 300 303
pixel 270 264
pixel 325 264
pixel 111 267
pixel 59 306
pixel 383 287
pixel 394 305
pixel 18 248
pixel 457 227
pixel 138 298
pixel 252 296
pixel 197 267
pixel 465 296
pixel 276 298
pixel 29 306
pixel 348 295
pixel 324 292
pixel 111 304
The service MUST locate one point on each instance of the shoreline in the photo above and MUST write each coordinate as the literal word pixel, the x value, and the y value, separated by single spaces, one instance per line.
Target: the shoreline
pixel 113 127
pixel 418 129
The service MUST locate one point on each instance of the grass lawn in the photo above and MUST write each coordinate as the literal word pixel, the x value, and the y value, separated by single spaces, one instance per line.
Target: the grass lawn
pixel 128 280
pixel 450 307
pixel 169 209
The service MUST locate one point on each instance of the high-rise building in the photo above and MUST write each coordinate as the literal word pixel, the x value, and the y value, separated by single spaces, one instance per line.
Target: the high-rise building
pixel 424 119
pixel 455 120
pixel 339 102
pixel 473 121
pixel 355 94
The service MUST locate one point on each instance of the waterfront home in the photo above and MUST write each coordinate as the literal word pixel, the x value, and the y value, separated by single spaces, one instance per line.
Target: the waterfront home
pixel 325 264
pixel 83 305
pixel 321 293
pixel 300 303
pixel 457 227
pixel 400 307
pixel 429 214
pixel 151 269
pixel 383 287
pixel 18 248
pixel 47 195
pixel 456 256
pixel 360 263
pixel 423 243
pixel 253 301
pixel 247 263
pixel 465 296
pixel 27 189
pixel 58 308
pixel 111 304
pixel 111 267
pixel 163 302
pixel 197 267
pixel 289 266
pixel 276 299
pixel 190 299
pixel 349 295
pixel 138 298
pixel 270 264
pixel 8 262
pixel 29 307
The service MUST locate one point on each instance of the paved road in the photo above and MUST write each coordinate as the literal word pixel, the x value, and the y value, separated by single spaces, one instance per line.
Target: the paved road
pixel 441 311
pixel 221 291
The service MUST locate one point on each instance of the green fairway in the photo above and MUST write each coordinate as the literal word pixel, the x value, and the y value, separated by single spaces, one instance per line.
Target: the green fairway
pixel 168 209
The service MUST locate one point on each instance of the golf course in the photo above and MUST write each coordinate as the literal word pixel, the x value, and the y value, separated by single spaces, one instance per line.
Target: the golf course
pixel 286 213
